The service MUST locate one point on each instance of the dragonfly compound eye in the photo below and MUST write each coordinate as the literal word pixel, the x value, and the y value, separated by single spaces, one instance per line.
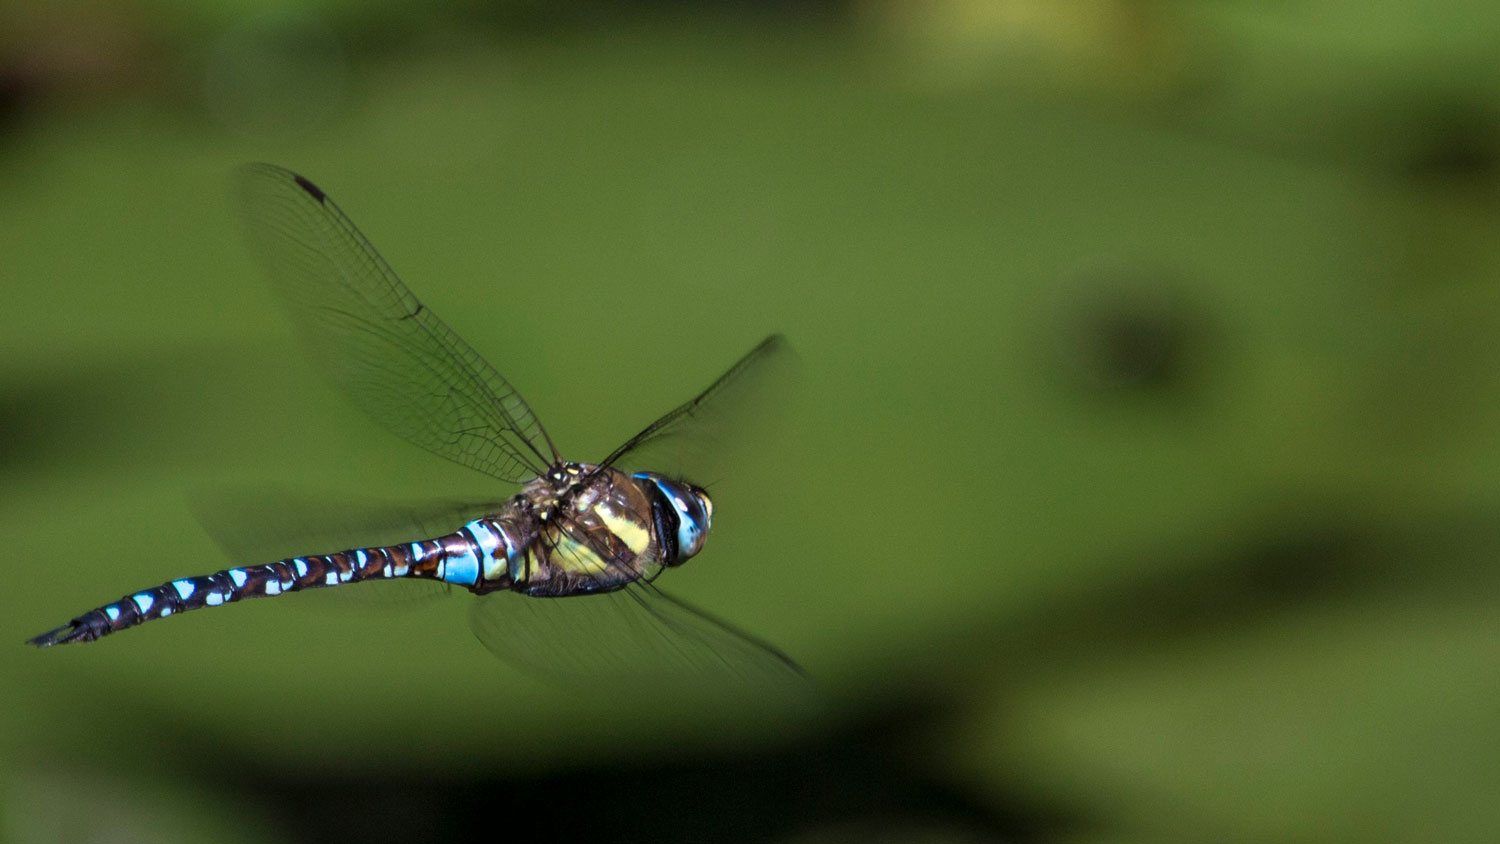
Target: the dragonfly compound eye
pixel 693 518
pixel 687 514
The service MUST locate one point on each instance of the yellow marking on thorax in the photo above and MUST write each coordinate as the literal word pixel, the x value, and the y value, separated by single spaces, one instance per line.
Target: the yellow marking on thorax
pixel 632 533
pixel 576 558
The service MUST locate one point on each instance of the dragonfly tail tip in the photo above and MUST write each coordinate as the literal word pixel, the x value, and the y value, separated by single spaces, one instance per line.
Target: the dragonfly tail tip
pixel 51 637
pixel 73 631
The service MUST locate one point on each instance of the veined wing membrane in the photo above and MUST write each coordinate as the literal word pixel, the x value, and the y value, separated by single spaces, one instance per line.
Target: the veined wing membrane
pixel 261 525
pixel 394 358
pixel 692 439
pixel 254 526
pixel 635 639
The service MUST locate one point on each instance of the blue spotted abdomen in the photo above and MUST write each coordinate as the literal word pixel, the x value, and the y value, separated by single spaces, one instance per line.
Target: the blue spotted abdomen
pixel 479 556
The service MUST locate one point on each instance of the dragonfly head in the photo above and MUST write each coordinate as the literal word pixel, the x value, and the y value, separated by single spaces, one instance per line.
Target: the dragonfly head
pixel 685 515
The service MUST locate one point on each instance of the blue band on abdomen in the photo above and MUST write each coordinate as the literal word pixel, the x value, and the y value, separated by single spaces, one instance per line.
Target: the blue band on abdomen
pixel 494 550
pixel 462 568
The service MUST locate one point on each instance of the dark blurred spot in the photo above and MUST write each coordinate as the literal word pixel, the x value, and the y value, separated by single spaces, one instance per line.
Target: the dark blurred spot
pixel 24 428
pixel 1306 564
pixel 14 93
pixel 1227 589
pixel 1295 562
pixel 1457 144
pixel 856 778
pixel 1132 330
pixel 40 424
pixel 82 52
pixel 1302 556
pixel 106 415
pixel 539 16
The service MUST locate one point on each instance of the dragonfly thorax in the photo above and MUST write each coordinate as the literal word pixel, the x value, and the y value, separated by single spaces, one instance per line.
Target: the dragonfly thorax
pixel 675 515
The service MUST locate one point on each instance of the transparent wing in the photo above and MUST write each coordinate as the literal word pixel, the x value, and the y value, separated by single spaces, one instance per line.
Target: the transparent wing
pixel 260 525
pixel 636 640
pixel 633 636
pixel 694 439
pixel 392 356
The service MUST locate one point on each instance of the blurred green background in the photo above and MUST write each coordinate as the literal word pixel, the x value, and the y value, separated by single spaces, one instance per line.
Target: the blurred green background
pixel 1143 480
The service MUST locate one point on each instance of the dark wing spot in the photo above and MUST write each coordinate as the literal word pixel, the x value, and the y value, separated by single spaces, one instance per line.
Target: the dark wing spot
pixel 311 188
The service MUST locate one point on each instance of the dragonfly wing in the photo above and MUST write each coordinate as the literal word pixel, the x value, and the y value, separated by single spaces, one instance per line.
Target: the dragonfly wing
pixel 399 363
pixel 262 525
pixel 691 441
pixel 629 633
pixel 637 639
pixel 637 636
pixel 256 525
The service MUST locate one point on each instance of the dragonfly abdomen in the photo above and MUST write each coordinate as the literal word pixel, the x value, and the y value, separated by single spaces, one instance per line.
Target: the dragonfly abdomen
pixel 459 558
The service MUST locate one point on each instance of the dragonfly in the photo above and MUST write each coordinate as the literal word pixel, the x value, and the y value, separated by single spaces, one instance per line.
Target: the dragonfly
pixel 591 536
